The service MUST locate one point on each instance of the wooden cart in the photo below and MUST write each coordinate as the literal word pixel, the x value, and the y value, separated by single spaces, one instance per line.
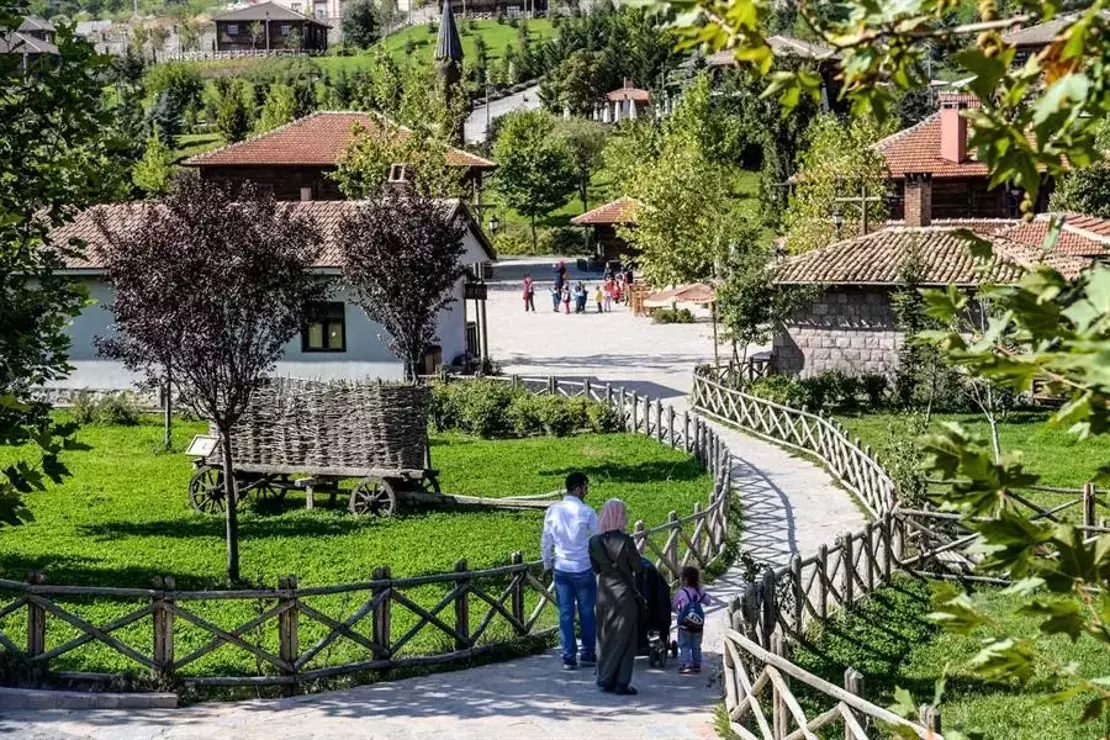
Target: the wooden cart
pixel 373 491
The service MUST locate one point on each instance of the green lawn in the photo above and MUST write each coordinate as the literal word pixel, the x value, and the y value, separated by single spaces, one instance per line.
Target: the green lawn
pixel 190 145
pixel 124 514
pixel 888 639
pixel 1061 459
pixel 124 517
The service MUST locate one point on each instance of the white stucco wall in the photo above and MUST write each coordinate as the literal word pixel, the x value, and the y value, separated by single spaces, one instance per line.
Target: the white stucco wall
pixel 367 354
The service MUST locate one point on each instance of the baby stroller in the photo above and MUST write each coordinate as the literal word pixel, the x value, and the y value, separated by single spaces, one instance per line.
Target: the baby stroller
pixel 654 635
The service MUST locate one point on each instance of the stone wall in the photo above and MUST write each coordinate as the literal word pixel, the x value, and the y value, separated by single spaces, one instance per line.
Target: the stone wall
pixel 847 329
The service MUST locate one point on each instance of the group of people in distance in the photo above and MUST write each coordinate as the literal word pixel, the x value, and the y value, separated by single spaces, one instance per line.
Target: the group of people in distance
pixel 595 564
pixel 613 289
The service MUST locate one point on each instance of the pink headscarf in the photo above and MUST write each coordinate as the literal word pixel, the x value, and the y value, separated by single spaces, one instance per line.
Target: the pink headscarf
pixel 614 516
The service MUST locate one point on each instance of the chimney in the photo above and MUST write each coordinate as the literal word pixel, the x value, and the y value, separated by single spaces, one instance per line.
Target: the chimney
pixel 953 131
pixel 919 199
pixel 306 193
pixel 400 179
pixel 628 83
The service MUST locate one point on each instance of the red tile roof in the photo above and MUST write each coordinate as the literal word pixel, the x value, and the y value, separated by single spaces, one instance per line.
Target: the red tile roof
pixel 629 93
pixel 124 218
pixel 917 150
pixel 876 259
pixel 317 140
pixel 619 211
pixel 1080 235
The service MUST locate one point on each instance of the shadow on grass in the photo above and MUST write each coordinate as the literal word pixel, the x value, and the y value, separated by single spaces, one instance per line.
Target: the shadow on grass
pixel 645 472
pixel 71 570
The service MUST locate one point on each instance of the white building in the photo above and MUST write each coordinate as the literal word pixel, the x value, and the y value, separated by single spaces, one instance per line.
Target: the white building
pixel 346 345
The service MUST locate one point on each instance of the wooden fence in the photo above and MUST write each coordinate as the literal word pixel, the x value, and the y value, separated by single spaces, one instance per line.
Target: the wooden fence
pixel 849 460
pixel 290 635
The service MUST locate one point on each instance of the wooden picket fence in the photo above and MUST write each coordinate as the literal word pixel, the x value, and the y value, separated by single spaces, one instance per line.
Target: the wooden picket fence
pixel 293 633
pixel 852 462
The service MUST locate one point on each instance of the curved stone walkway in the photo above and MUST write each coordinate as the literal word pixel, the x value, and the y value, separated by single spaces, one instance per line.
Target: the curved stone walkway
pixel 790 505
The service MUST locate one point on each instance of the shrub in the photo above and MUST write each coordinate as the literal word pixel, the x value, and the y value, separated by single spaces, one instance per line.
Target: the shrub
pixel 557 415
pixel 841 390
pixel 874 387
pixel 672 316
pixel 110 409
pixel 525 415
pixel 491 409
pixel 781 389
pixel 605 419
pixel 483 407
pixel 562 240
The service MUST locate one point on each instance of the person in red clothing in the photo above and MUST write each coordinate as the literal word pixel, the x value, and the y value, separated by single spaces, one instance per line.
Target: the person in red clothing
pixel 529 294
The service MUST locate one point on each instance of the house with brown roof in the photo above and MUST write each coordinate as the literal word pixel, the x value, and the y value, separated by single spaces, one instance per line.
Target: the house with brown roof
pixel 850 326
pixel 603 221
pixel 819 56
pixel 627 101
pixel 269 27
pixel 33 38
pixel 294 161
pixel 935 151
pixel 343 344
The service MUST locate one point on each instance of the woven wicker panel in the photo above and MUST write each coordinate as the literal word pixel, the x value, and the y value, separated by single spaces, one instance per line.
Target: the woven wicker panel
pixel 304 424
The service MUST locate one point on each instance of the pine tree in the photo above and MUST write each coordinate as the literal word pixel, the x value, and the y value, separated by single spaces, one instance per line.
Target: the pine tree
pixel 152 173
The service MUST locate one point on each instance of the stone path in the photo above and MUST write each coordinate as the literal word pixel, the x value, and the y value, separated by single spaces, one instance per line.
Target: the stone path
pixel 789 505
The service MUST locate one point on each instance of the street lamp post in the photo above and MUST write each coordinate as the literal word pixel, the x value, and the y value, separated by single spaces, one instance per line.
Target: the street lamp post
pixel 838 221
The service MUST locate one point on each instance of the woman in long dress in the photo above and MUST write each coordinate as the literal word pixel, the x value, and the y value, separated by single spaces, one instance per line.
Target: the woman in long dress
pixel 616 561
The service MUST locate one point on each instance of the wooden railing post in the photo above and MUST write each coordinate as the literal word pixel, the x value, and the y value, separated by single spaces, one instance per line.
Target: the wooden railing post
pixel 670 547
pixel 1089 516
pixel 635 412
pixel 670 425
pixel 552 386
pixel 696 534
pixel 36 623
pixel 780 715
pixel 462 606
pixel 849 574
pixel 888 545
pixel 609 395
pixel 930 718
pixel 799 591
pixel 822 583
pixel 289 646
pixel 769 602
pixel 638 536
pixel 587 387
pixel 686 431
pixel 514 381
pixel 516 603
pixel 380 616
pixel 658 420
pixel 869 555
pixel 163 629
pixel 853 683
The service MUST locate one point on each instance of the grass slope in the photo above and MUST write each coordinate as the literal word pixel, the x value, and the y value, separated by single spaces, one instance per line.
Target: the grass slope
pixel 888 639
pixel 1061 459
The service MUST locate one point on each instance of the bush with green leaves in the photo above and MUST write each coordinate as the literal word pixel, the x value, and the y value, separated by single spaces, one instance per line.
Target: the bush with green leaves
pixel 672 316
pixel 493 409
pixel 111 409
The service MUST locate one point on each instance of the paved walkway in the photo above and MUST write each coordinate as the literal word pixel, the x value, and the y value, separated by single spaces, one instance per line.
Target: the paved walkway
pixel 789 505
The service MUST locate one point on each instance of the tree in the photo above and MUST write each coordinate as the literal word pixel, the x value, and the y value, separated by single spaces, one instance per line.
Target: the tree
pixel 365 165
pixel 295 39
pixel 388 15
pixel 213 283
pixel 58 97
pixel 585 140
pixel 179 81
pixel 839 162
pixel 233 118
pixel 165 118
pixel 577 84
pixel 159 35
pixel 401 256
pixel 152 173
pixel 536 173
pixel 189 32
pixel 1034 120
pixel 257 32
pixel 1084 190
pixel 279 108
pixel 360 24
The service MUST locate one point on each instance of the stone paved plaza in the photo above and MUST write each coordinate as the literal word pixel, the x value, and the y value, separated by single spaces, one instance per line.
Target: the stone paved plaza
pixel 790 505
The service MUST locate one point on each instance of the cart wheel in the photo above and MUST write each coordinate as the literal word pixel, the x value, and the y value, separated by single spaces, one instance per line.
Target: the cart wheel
pixel 206 490
pixel 267 491
pixel 374 497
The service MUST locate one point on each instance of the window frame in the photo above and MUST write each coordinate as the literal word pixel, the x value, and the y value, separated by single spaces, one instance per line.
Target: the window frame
pixel 327 321
pixel 232 29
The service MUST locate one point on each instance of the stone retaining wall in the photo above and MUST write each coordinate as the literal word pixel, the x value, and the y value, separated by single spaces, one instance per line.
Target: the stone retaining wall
pixel 847 328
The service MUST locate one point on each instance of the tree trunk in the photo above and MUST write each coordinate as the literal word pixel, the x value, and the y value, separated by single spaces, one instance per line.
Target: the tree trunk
pixel 533 233
pixel 583 191
pixel 168 442
pixel 232 510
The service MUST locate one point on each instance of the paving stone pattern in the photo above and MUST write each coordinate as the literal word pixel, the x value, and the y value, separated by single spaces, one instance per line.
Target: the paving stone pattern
pixel 790 505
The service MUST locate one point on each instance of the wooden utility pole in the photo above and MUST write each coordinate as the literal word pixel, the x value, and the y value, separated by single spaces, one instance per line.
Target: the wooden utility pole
pixel 862 199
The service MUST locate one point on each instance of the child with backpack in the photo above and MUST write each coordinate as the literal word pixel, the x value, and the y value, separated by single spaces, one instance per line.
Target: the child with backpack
pixel 688 604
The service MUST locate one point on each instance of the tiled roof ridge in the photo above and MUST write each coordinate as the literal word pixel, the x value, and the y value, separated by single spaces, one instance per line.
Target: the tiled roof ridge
pixel 262 5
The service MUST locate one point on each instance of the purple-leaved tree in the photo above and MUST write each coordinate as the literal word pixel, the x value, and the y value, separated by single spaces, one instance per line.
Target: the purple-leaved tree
pixel 211 282
pixel 401 256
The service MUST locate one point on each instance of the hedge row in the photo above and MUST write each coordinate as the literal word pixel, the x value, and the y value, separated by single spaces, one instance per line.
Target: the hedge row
pixel 492 409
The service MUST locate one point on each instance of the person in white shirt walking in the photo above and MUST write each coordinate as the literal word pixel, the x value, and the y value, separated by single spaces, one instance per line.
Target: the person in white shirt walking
pixel 567 529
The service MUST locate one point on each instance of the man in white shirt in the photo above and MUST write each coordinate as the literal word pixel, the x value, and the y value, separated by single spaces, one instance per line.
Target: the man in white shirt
pixel 567 529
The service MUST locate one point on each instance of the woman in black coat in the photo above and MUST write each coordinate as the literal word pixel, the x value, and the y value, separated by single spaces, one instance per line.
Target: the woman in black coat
pixel 616 561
